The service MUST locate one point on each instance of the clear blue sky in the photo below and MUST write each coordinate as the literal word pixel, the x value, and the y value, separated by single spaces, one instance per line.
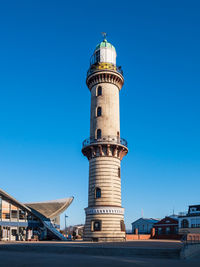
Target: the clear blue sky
pixel 45 49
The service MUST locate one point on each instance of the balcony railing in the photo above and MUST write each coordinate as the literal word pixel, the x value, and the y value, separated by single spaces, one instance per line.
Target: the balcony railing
pixel 105 139
pixel 104 66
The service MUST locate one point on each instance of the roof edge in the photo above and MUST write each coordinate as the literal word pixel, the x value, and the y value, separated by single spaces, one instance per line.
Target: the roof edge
pixel 63 208
pixel 5 194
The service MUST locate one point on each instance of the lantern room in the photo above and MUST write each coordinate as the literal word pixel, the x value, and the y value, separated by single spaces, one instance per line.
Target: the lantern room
pixel 104 53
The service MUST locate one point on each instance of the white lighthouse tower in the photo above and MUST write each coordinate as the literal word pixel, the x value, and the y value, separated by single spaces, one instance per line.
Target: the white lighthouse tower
pixel 104 148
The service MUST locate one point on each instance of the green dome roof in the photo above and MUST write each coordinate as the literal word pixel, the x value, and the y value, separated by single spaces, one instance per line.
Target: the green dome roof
pixel 105 43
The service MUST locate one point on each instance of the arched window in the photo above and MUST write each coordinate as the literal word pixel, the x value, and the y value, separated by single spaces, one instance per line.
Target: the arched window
pixel 98 133
pixel 99 91
pixel 118 138
pixel 184 223
pixel 122 226
pixel 98 111
pixel 119 172
pixel 98 192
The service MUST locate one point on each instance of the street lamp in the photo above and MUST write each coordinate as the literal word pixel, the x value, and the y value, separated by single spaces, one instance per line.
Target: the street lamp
pixel 65 224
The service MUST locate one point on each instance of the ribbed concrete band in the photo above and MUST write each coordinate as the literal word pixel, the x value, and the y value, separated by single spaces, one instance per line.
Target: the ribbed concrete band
pixel 102 210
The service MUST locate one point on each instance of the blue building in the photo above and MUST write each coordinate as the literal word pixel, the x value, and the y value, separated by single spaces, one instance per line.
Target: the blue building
pixel 144 225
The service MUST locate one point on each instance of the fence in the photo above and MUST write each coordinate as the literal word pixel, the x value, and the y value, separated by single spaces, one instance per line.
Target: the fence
pixel 191 239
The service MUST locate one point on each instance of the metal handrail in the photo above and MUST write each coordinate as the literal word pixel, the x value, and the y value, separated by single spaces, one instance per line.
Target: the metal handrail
pixel 95 68
pixel 105 139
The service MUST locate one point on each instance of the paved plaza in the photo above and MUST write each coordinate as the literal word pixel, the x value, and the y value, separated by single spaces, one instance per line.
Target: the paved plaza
pixel 32 259
pixel 75 254
pixel 159 244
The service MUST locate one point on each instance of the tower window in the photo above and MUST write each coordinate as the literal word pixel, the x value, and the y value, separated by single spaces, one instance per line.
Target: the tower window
pixel 99 91
pixel 98 133
pixel 98 111
pixel 119 172
pixel 96 226
pixel 122 226
pixel 98 192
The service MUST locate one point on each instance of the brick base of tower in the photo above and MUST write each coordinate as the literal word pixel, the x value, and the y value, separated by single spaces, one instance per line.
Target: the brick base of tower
pixel 110 231
pixel 104 173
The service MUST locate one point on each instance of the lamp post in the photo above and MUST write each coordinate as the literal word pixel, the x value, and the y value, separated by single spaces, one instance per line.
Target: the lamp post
pixel 65 224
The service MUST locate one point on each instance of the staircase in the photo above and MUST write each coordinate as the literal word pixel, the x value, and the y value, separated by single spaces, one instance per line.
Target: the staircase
pixel 53 230
pixel 47 223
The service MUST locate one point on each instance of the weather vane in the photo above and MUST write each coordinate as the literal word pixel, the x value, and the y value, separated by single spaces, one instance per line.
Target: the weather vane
pixel 104 34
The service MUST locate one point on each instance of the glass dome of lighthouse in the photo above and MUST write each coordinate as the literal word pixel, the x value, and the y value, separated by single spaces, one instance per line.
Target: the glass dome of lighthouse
pixel 104 53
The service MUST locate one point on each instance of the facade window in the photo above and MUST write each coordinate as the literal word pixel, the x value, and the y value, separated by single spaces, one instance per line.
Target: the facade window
pixel 193 210
pixel 96 226
pixel 98 133
pixel 98 111
pixel 175 230
pixel 5 210
pixel 119 172
pixel 197 222
pixel 22 215
pixel 97 192
pixel 99 91
pixel 14 212
pixel 193 223
pixel 122 226
pixel 184 223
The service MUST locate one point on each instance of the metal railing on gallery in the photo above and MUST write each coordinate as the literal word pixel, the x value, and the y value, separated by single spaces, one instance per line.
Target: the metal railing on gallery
pixel 99 67
pixel 105 139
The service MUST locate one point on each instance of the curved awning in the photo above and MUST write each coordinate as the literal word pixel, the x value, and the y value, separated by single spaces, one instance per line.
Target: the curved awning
pixel 51 209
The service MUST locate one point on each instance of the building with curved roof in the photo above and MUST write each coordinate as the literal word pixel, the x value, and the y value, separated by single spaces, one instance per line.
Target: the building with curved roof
pixel 39 220
pixel 51 209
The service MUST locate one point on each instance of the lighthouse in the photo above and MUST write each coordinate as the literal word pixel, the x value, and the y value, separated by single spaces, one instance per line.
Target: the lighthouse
pixel 104 148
